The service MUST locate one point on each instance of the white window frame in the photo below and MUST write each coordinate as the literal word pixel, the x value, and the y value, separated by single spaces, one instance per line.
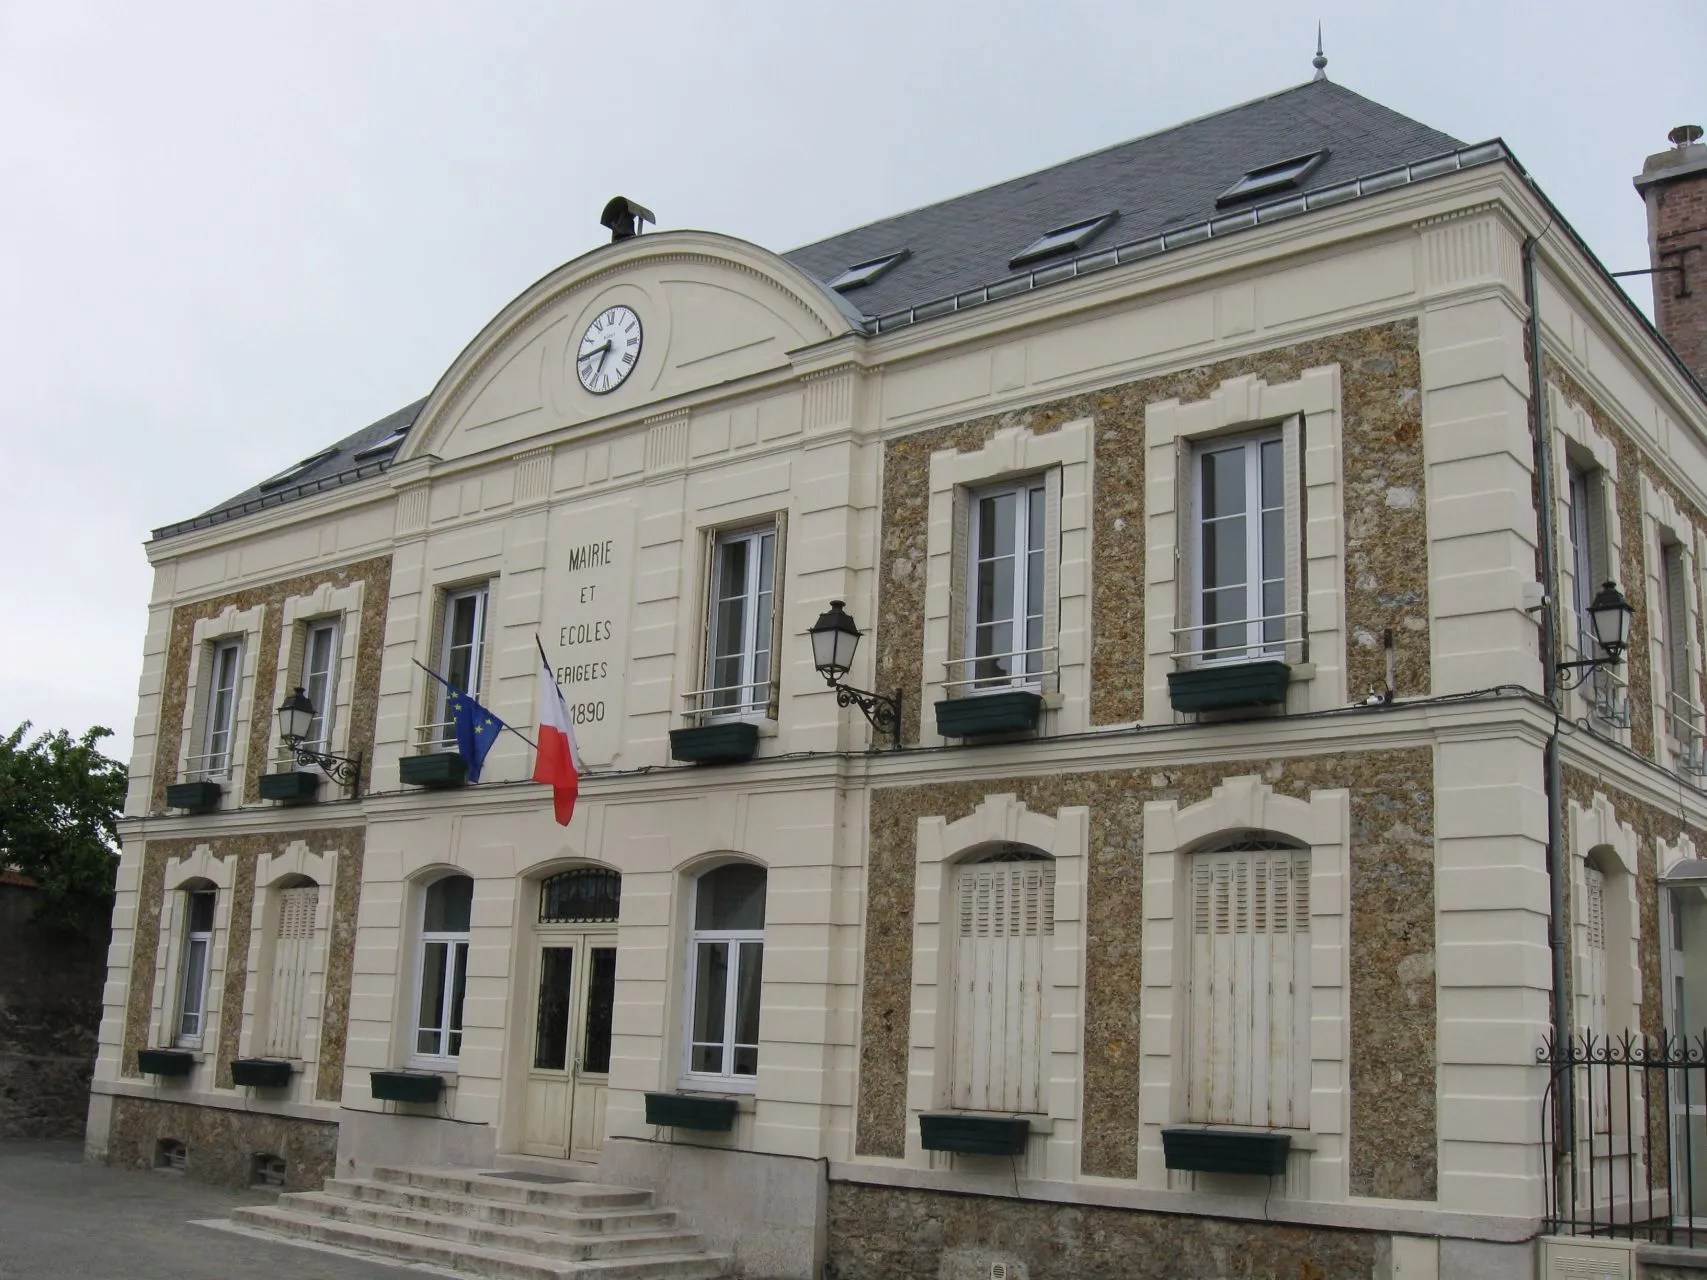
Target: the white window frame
pixel 1674 570
pixel 456 944
pixel 226 657
pixel 1257 626
pixel 444 731
pixel 1031 560
pixel 321 685
pixel 754 688
pixel 727 1080
pixel 184 1035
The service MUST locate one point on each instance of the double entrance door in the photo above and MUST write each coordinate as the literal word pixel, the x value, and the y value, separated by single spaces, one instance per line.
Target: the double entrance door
pixel 575 985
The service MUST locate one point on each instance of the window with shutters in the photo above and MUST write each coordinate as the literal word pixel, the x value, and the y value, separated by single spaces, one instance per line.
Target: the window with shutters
pixel 1248 1055
pixel 1595 1025
pixel 1004 910
pixel 292 961
pixel 1680 712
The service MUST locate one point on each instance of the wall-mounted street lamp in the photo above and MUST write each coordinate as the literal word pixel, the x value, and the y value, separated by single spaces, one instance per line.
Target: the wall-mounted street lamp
pixel 296 718
pixel 834 639
pixel 1609 615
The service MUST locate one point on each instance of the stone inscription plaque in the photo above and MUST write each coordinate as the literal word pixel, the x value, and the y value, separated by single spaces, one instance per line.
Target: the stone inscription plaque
pixel 588 575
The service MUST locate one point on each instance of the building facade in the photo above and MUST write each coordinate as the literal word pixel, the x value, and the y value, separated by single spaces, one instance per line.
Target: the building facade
pixel 1207 555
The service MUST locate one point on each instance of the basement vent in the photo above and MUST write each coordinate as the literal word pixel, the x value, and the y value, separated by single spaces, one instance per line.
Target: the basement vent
pixel 266 1172
pixel 171 1155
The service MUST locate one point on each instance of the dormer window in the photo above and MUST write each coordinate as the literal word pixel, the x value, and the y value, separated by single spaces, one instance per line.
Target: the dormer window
pixel 1075 235
pixel 295 471
pixel 1279 176
pixel 864 273
pixel 382 448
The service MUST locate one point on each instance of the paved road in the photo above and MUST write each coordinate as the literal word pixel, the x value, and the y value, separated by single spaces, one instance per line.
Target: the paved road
pixel 61 1219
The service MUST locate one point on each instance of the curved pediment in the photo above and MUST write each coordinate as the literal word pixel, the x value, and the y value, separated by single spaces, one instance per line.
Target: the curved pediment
pixel 712 309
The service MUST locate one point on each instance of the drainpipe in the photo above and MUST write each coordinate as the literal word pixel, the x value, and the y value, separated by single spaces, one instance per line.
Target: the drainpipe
pixel 1554 781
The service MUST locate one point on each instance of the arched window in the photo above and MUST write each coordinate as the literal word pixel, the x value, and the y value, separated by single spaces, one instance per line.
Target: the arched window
pixel 1004 912
pixel 584 895
pixel 198 902
pixel 443 966
pixel 292 958
pixel 726 970
pixel 1248 1054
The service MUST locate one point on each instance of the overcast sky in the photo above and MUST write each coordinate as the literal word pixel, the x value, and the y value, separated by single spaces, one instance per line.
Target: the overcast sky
pixel 231 234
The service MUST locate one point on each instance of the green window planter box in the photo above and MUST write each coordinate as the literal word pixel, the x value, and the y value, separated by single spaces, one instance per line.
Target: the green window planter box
pixel 976 714
pixel 1219 1151
pixel 691 1111
pixel 438 770
pixel 260 1073
pixel 1229 685
pixel 197 797
pixel 296 785
pixel 166 1062
pixel 406 1086
pixel 727 742
pixel 973 1135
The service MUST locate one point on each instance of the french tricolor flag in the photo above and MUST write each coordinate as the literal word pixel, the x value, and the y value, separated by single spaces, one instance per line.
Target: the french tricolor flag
pixel 558 762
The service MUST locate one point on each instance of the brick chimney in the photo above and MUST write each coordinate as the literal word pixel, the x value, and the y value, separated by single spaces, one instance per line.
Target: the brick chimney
pixel 1674 187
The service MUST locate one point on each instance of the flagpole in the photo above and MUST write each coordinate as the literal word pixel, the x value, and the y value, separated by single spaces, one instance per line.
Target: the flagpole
pixel 447 684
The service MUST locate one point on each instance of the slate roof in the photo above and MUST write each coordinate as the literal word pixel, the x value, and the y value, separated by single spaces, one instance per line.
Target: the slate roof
pixel 1165 180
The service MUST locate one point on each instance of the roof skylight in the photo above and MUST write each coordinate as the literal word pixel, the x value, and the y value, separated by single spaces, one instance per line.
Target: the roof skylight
pixel 1270 178
pixel 863 273
pixel 1075 235
pixel 292 472
pixel 382 447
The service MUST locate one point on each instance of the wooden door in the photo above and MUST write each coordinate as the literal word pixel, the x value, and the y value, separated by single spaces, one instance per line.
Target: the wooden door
pixel 569 1068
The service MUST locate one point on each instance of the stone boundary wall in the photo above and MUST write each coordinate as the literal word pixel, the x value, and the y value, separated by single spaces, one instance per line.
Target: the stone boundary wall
pixel 1393 1141
pixel 349 843
pixel 1386 581
pixel 50 1018
pixel 221 1142
pixel 374 574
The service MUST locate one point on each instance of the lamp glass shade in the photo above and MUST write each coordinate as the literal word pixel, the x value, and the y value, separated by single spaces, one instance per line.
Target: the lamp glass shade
pixel 834 640
pixel 296 716
pixel 1609 613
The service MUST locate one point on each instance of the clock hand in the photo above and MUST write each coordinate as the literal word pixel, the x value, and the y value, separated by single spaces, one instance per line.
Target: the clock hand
pixel 599 350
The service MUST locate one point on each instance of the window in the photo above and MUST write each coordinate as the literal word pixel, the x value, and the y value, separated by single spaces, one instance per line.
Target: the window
pixel 864 273
pixel 585 895
pixel 1279 176
pixel 293 955
pixel 1005 912
pixel 1674 611
pixel 295 471
pixel 221 714
pixel 1075 235
pixel 383 448
pixel 443 966
pixel 462 655
pixel 192 979
pixel 320 681
pixel 1248 1056
pixel 739 639
pixel 1005 596
pixel 1240 548
pixel 726 970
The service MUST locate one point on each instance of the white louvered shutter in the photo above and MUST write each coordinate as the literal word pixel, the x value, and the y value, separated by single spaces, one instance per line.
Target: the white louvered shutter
pixel 1249 1059
pixel 1676 638
pixel 293 947
pixel 1004 918
pixel 1594 980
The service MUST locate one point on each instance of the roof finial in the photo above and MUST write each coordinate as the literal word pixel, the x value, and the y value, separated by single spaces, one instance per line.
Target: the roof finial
pixel 1320 61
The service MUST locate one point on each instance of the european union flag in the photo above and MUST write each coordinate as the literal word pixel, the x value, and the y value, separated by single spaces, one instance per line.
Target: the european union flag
pixel 476 729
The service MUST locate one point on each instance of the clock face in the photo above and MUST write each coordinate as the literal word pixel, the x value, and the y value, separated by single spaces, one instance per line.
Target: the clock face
pixel 609 350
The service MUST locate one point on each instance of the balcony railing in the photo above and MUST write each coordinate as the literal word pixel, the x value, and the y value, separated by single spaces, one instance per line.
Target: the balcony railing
pixel 212 766
pixel 984 680
pixel 728 702
pixel 1287 647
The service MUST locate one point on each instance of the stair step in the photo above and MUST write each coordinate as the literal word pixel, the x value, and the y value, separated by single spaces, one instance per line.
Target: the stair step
pixel 504 1213
pixel 577 1197
pixel 472 1231
pixel 483 1261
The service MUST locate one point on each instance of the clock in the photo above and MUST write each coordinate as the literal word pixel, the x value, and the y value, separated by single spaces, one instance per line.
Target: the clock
pixel 610 348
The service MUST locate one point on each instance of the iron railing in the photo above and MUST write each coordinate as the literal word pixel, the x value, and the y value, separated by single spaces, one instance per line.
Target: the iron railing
pixel 1624 1132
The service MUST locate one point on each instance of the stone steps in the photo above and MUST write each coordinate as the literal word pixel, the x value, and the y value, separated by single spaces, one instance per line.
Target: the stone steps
pixel 477 1223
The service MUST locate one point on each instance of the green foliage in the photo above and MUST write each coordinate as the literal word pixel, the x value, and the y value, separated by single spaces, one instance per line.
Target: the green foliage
pixel 60 800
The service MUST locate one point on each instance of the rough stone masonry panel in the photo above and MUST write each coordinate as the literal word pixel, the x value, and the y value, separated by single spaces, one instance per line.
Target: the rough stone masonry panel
pixel 349 843
pixel 374 574
pixel 221 1142
pixel 876 1233
pixel 1386 581
pixel 1392 1052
